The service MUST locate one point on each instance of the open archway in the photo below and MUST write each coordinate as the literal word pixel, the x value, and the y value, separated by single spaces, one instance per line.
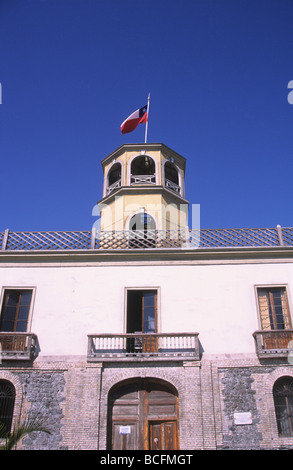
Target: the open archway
pixel 172 177
pixel 143 170
pixel 114 177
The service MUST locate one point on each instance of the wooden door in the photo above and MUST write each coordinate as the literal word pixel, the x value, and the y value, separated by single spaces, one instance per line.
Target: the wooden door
pixel 163 435
pixel 125 435
pixel 125 412
pixel 143 415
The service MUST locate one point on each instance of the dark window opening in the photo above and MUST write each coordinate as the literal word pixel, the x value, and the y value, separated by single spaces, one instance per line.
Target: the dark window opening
pixel 142 221
pixel 15 310
pixel 171 173
pixel 142 227
pixel 114 173
pixel 141 311
pixel 283 399
pixel 141 318
pixel 143 165
pixel 143 171
pixel 7 399
pixel 114 178
pixel 171 177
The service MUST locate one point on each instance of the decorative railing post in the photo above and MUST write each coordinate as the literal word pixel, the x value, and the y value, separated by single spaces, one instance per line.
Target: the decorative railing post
pixel 93 239
pixel 5 240
pixel 187 237
pixel 280 235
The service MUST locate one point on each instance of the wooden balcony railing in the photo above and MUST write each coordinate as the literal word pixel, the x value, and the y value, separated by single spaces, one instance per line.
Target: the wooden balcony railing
pixel 134 346
pixel 273 343
pixel 17 346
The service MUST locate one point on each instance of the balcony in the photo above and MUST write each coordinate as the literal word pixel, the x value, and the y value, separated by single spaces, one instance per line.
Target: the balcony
pixel 143 347
pixel 17 346
pixel 273 343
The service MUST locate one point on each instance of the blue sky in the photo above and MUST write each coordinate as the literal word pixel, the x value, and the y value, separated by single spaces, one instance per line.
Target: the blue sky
pixel 218 71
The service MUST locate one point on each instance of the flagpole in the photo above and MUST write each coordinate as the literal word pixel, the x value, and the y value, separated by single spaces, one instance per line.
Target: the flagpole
pixel 146 127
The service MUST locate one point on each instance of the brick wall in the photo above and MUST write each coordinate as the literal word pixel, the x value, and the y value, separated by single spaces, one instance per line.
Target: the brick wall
pixel 72 397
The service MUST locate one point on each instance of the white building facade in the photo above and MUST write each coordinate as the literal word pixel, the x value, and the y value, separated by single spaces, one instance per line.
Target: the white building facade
pixel 144 333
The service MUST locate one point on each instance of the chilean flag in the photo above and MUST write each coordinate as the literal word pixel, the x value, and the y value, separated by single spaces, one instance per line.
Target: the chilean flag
pixel 138 117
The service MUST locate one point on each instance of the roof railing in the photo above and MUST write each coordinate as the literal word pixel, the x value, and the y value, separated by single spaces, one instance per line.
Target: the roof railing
pixel 147 239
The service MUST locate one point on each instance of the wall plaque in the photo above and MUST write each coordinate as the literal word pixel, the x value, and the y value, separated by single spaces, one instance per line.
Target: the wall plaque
pixel 242 418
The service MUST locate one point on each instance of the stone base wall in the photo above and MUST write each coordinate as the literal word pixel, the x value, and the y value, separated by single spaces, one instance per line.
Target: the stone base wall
pixel 71 395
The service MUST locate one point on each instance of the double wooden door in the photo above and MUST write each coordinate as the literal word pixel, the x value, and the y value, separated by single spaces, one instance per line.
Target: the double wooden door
pixel 143 416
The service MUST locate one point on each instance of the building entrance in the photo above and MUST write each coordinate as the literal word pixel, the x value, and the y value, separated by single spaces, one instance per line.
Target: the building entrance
pixel 143 415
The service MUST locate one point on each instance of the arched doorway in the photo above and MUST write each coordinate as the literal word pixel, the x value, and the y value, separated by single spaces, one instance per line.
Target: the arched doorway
pixel 142 227
pixel 143 415
pixel 7 399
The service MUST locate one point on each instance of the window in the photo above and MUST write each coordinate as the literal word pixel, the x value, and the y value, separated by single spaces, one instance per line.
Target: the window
pixel 141 319
pixel 273 307
pixel 7 399
pixel 15 310
pixel 141 311
pixel 283 399
pixel 142 222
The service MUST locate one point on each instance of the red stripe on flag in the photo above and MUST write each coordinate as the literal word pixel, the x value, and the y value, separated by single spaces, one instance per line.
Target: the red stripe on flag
pixel 132 122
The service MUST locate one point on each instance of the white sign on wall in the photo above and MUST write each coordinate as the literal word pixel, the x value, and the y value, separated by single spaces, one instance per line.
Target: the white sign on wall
pixel 242 418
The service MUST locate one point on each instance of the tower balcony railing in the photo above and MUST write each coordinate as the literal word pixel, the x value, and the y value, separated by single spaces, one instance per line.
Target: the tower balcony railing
pixel 142 179
pixel 145 346
pixel 274 343
pixel 17 346
pixel 114 186
pixel 173 186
